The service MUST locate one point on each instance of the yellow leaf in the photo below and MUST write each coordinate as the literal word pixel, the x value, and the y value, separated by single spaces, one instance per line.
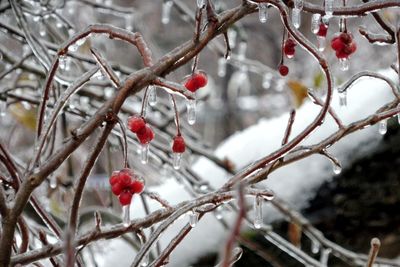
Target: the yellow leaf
pixel 26 115
pixel 294 233
pixel 299 91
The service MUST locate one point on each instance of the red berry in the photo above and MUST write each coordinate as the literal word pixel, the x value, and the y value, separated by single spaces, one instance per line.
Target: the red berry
pixel 346 37
pixel 146 135
pixel 353 47
pixel 117 189
pixel 341 54
pixel 337 44
pixel 323 30
pixel 125 198
pixel 196 81
pixel 289 48
pixel 178 145
pixel 283 70
pixel 114 178
pixel 125 177
pixel 136 187
pixel 136 123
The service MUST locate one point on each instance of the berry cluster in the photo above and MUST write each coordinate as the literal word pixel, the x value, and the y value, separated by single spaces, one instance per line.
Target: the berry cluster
pixel 143 132
pixel 344 45
pixel 196 81
pixel 289 48
pixel 124 184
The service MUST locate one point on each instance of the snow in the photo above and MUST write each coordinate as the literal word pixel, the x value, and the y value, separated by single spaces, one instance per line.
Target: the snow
pixel 294 183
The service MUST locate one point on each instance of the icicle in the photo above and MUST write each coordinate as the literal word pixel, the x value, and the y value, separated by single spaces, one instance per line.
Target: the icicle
pixel 177 160
pixel 325 256
pixel 129 22
pixel 126 218
pixel 263 12
pixel 42 29
pixel 342 24
pixel 144 153
pixel 315 21
pixel 343 98
pixel 108 92
pixel 298 4
pixel 232 34
pixel 166 11
pixel 221 67
pixel 382 126
pixel 218 213
pixel 321 43
pixel 258 219
pixel 315 246
pixel 62 62
pixel 191 111
pixel 337 169
pixel 53 182
pixel 329 8
pixel 145 261
pixel 193 218
pixel 152 95
pixel 200 3
pixel 3 107
pixel 242 50
pixel 344 64
pixel 296 19
pixel 266 82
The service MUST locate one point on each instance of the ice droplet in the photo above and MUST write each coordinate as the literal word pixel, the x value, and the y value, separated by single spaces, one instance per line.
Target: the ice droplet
pixel 263 12
pixel 218 213
pixel 296 14
pixel 200 3
pixel 193 218
pixel 42 29
pixel 177 160
pixel 144 153
pixel 108 92
pixel 315 246
pixel 343 98
pixel 328 8
pixel 152 95
pixel 337 169
pixel 258 219
pixel 126 218
pixel 315 21
pixel 221 67
pixel 382 126
pixel 344 64
pixel 298 4
pixel 325 256
pixel 266 82
pixel 191 111
pixel 321 43
pixel 166 11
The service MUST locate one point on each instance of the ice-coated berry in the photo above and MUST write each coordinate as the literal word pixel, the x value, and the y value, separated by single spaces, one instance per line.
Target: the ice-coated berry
pixel 283 70
pixel 178 145
pixel 117 189
pixel 114 177
pixel 196 81
pixel 323 30
pixel 145 135
pixel 289 48
pixel 125 198
pixel 136 187
pixel 136 123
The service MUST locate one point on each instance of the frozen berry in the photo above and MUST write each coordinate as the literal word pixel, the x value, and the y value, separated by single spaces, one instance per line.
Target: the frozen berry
pixel 125 198
pixel 145 135
pixel 178 145
pixel 136 123
pixel 125 177
pixel 117 189
pixel 344 45
pixel 136 187
pixel 283 70
pixel 196 81
pixel 337 44
pixel 323 30
pixel 289 48
pixel 114 178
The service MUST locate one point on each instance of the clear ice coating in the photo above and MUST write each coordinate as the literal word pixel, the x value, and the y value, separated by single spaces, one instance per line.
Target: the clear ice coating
pixel 296 19
pixel 325 256
pixel 221 67
pixel 191 111
pixel 267 79
pixel 263 12
pixel 344 64
pixel 315 21
pixel 200 3
pixel 144 153
pixel 126 218
pixel 152 95
pixel 193 218
pixel 177 157
pixel 298 4
pixel 321 43
pixel 166 11
pixel 258 219
pixel 382 127
pixel 329 8
pixel 343 98
pixel 337 169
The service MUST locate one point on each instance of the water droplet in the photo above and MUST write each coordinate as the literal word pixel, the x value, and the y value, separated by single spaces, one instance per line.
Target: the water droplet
pixel 344 64
pixel 166 11
pixel 177 160
pixel 126 217
pixel 242 50
pixel 296 17
pixel 152 95
pixel 53 182
pixel 258 218
pixel 325 256
pixel 343 98
pixel 59 24
pixel 337 169
pixel 266 82
pixel 193 218
pixel 315 246
pixel 382 126
pixel 108 92
pixel 191 111
pixel 298 4
pixel 232 35
pixel 328 8
pixel 218 213
pixel 321 43
pixel 221 67
pixel 315 21
pixel 42 29
pixel 200 3
pixel 263 12
pixel 144 153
